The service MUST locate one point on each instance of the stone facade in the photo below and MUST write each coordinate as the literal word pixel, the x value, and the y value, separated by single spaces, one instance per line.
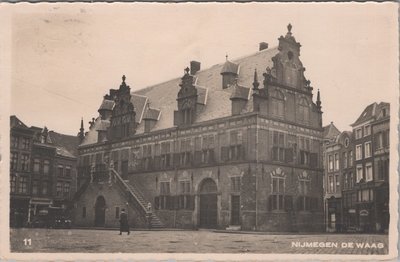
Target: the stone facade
pixel 207 164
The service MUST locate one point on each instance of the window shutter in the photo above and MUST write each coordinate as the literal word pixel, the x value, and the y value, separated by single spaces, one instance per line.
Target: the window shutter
pixel 314 160
pixel 175 202
pixel 191 202
pixel 157 162
pixel 270 202
pixel 156 202
pixel 224 153
pixel 288 203
pixel 299 203
pixel 288 155
pixel 241 150
pixel 176 159
pixel 198 157
pixel 211 156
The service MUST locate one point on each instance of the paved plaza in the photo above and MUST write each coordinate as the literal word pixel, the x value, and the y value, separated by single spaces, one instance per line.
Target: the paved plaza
pixel 96 241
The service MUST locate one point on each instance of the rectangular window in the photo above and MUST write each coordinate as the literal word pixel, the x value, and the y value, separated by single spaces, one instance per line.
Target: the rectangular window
pixel 68 171
pixel 351 180
pixel 367 130
pixel 184 187
pixel 358 152
pixel 358 133
pixel 165 188
pixel 337 183
pixel 36 166
pixel 368 172
pixel 360 173
pixel 13 161
pixel 59 189
pixel 235 184
pixel 345 160
pixel 13 183
pixel 66 190
pixel 117 212
pixel 60 170
pixel 379 140
pixel 351 158
pixel 277 197
pixel 83 212
pixel 25 162
pixel 45 187
pixel 26 143
pixel 278 149
pixel 330 162
pixel 23 185
pixel 14 141
pixel 46 167
pixel 336 161
pixel 331 184
pixel 35 187
pixel 367 148
pixel 304 186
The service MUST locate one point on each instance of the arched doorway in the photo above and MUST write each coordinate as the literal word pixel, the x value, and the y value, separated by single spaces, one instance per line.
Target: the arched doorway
pixel 100 212
pixel 208 204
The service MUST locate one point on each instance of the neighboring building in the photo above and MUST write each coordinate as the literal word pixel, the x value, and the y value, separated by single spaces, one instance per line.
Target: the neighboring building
pixel 21 140
pixel 338 165
pixel 42 171
pixel 367 203
pixel 212 149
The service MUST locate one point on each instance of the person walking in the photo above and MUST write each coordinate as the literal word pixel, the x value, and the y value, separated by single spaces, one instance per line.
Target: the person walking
pixel 123 222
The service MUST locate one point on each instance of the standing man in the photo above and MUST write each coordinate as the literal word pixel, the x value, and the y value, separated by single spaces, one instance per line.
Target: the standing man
pixel 123 221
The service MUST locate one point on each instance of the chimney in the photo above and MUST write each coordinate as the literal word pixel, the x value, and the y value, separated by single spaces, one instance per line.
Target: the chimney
pixel 263 46
pixel 194 67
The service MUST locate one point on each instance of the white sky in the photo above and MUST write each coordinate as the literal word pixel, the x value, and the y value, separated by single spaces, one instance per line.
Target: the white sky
pixel 65 57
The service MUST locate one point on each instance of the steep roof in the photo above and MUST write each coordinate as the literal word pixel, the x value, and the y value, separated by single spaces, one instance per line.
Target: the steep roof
pixel 163 95
pixel 331 131
pixel 66 145
pixel 15 122
pixel 208 82
pixel 368 113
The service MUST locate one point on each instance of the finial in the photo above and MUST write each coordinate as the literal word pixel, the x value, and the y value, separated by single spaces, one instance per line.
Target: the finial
pixel 187 70
pixel 123 78
pixel 289 28
pixel 318 100
pixel 226 57
pixel 255 82
pixel 82 123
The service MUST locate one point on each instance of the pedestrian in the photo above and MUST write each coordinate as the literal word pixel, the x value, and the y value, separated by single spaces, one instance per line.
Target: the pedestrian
pixel 123 222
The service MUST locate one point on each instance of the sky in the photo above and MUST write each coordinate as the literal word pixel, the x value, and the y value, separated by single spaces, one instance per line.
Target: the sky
pixel 65 57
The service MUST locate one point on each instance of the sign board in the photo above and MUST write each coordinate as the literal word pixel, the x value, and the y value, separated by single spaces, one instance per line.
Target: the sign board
pixel 352 211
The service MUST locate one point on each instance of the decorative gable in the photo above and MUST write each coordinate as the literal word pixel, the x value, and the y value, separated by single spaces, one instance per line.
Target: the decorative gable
pixel 122 122
pixel 187 101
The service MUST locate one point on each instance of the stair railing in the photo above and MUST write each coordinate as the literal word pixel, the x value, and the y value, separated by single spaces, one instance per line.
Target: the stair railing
pixel 121 180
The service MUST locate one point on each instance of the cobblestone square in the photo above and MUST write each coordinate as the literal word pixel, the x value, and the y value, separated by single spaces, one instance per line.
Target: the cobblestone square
pixel 98 241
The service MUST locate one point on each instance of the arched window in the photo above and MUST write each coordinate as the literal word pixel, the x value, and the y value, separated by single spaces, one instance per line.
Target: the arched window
pixel 277 103
pixel 304 111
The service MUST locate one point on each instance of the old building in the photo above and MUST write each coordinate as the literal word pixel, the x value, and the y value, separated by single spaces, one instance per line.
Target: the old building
pixel 367 203
pixel 42 171
pixel 215 148
pixel 338 166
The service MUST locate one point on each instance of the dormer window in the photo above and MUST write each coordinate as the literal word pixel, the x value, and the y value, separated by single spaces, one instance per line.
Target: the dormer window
pixel 229 73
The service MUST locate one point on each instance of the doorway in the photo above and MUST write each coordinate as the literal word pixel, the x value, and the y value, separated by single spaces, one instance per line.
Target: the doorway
pixel 100 212
pixel 235 210
pixel 208 204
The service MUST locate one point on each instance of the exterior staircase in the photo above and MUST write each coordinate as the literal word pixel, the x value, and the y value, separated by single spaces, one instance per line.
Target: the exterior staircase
pixel 137 197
